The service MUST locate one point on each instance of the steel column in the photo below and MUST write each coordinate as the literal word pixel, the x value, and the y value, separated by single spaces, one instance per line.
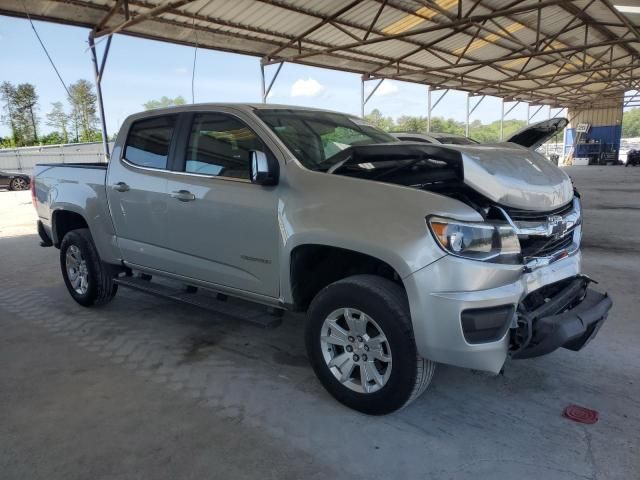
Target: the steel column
pixel 502 120
pixel 98 71
pixel 466 128
pixel 428 108
pixel 470 111
pixel 267 90
pixel 363 100
pixel 361 97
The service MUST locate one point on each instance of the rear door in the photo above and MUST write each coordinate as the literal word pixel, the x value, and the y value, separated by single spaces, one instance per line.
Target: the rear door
pixel 137 190
pixel 224 229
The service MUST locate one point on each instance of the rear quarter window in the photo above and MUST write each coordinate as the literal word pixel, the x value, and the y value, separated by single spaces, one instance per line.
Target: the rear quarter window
pixel 149 140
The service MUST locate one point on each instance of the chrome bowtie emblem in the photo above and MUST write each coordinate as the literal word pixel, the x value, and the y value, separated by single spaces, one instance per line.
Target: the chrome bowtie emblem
pixel 556 224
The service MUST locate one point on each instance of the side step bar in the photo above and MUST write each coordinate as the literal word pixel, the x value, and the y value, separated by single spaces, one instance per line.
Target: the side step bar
pixel 258 316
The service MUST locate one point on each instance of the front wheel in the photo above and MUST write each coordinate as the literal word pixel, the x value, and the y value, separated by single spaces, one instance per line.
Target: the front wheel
pixel 89 281
pixel 360 341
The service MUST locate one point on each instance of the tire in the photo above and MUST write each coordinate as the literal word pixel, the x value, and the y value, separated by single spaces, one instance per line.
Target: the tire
pixel 99 288
pixel 19 183
pixel 385 308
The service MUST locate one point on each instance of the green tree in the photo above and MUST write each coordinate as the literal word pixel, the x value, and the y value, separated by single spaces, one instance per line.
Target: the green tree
pixel 83 111
pixel 54 138
pixel 19 112
pixel 8 94
pixel 376 119
pixel 26 102
pixel 164 102
pixel 407 123
pixel 631 123
pixel 58 119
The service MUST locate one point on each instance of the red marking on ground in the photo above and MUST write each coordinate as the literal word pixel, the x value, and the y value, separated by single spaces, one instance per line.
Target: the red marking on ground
pixel 580 414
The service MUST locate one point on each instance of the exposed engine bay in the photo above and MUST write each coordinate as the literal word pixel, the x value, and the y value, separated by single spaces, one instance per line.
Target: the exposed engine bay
pixel 546 234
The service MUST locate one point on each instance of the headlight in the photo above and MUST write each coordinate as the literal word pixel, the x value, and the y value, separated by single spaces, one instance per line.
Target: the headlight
pixel 484 241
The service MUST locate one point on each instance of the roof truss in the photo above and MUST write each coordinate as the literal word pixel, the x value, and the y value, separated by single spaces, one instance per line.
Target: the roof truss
pixel 556 52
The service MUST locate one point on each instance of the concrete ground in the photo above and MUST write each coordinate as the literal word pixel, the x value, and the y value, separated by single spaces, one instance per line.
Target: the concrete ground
pixel 146 388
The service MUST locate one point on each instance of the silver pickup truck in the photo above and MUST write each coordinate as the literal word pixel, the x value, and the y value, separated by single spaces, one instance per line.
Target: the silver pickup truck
pixel 401 254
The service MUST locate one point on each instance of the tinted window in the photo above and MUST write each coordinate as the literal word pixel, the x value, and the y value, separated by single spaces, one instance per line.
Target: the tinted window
pixel 219 145
pixel 149 141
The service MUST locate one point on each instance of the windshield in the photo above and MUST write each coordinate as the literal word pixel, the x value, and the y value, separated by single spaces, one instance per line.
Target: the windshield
pixel 457 141
pixel 316 137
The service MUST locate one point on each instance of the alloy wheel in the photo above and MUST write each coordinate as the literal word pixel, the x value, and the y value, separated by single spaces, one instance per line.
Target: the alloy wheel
pixel 356 350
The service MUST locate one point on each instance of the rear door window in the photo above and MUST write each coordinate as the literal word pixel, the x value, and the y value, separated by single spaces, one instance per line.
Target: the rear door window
pixel 149 141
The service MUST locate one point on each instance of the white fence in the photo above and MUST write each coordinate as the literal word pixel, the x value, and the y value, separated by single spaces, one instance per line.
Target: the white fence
pixel 23 159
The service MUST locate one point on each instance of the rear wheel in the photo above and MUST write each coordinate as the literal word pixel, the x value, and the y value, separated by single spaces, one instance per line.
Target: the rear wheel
pixel 19 183
pixel 360 341
pixel 89 281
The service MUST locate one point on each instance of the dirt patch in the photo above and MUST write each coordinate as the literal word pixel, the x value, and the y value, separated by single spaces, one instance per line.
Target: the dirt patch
pixel 285 358
pixel 200 347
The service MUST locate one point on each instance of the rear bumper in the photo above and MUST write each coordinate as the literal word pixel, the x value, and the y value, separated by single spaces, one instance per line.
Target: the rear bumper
pixel 570 319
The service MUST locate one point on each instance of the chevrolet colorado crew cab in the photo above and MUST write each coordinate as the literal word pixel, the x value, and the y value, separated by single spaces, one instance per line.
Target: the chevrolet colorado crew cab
pixel 401 254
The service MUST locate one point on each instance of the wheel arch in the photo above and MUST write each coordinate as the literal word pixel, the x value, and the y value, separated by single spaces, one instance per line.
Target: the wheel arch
pixel 63 221
pixel 313 266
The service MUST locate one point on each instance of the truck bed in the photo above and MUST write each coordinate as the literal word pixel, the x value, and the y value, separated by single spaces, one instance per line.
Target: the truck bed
pixel 65 185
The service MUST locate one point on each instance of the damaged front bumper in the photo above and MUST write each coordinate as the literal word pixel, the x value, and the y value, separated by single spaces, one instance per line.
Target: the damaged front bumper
pixel 567 314
pixel 472 314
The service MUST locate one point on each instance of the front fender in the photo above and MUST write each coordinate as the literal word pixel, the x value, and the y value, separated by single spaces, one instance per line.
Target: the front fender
pixel 384 221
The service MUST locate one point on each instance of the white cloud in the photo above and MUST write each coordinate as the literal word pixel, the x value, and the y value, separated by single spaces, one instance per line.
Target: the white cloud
pixel 181 71
pixel 307 88
pixel 386 88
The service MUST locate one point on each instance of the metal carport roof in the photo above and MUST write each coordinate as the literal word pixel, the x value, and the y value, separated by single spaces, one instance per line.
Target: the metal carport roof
pixel 556 52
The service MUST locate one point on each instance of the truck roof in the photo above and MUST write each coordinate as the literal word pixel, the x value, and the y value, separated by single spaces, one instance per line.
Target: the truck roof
pixel 238 106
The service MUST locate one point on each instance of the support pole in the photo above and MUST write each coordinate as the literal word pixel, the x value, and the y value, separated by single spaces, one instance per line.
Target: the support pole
pixel 263 88
pixel 466 129
pixel 528 113
pixel 502 121
pixel 362 97
pixel 428 108
pixel 98 79
pixel 267 90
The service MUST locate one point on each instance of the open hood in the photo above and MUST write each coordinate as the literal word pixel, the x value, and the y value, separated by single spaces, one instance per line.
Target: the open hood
pixel 505 173
pixel 532 136
pixel 514 176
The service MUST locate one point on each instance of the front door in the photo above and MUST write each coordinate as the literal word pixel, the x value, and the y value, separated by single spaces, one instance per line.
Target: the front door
pixel 223 228
pixel 137 191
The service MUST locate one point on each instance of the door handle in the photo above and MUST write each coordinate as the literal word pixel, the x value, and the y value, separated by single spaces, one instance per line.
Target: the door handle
pixel 183 195
pixel 120 187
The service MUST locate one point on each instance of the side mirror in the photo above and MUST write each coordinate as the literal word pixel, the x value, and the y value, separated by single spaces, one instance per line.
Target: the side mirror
pixel 264 169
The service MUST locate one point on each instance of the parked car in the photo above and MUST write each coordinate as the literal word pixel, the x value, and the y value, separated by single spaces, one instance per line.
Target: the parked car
pixel 633 158
pixel 433 137
pixel 14 181
pixel 401 254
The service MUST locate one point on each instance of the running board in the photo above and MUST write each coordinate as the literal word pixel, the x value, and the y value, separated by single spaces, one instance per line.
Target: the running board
pixel 257 316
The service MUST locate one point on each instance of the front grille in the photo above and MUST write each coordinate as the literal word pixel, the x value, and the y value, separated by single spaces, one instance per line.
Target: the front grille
pixel 533 216
pixel 544 246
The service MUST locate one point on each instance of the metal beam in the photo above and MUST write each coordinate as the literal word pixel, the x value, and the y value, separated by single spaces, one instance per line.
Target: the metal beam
pixel 143 16
pixel 98 77
pixel 320 24
pixel 420 31
pixel 363 100
pixel 267 90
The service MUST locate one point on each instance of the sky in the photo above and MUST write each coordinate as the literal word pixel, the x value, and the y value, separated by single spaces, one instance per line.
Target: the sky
pixel 139 70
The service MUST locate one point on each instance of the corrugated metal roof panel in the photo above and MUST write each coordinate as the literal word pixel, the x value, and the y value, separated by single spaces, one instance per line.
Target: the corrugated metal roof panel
pixel 410 40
